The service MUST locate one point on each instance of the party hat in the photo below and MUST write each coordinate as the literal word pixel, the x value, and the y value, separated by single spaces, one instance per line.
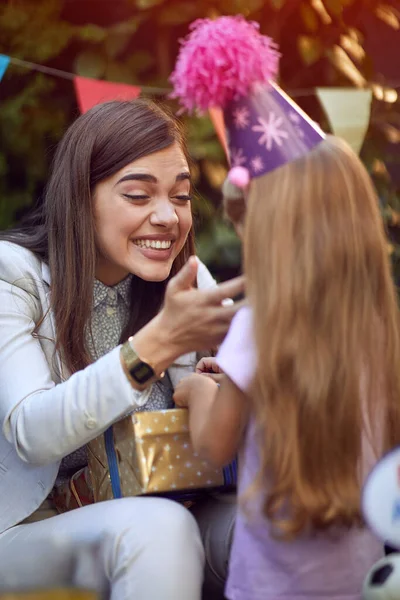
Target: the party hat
pixel 227 64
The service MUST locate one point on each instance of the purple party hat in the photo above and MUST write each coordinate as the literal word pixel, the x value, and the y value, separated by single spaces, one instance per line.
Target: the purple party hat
pixel 227 64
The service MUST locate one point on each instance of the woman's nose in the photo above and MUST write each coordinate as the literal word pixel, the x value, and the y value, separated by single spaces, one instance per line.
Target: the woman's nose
pixel 164 214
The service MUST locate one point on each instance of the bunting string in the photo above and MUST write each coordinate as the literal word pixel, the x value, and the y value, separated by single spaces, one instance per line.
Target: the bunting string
pixel 160 91
pixel 348 109
pixel 71 76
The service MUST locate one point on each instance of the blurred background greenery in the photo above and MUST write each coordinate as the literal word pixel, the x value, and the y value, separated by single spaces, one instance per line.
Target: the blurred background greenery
pixel 323 43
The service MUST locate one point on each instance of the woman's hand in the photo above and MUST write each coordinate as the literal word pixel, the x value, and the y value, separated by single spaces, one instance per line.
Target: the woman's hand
pixel 198 319
pixel 208 366
pixel 194 387
pixel 190 320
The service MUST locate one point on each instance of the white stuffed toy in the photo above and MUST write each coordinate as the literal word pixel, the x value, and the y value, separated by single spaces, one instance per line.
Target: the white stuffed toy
pixel 383 580
pixel 381 511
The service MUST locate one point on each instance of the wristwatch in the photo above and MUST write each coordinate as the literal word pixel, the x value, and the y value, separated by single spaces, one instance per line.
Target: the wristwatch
pixel 139 370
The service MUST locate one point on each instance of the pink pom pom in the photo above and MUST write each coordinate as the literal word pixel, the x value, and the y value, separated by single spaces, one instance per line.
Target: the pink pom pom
pixel 220 60
pixel 239 176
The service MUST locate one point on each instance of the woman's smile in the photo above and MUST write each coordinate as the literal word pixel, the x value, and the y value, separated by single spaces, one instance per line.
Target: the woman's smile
pixel 155 248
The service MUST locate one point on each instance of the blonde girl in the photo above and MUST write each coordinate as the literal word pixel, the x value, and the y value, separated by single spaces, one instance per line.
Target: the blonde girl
pixel 311 393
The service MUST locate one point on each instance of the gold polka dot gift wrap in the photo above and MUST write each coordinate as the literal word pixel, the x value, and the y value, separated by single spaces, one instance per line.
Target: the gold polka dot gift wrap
pixel 154 456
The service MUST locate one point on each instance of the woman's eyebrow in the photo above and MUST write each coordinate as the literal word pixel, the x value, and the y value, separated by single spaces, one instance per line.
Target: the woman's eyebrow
pixel 138 177
pixel 183 176
pixel 150 178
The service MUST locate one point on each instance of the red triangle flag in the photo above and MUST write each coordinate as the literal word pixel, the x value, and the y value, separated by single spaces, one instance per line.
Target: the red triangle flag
pixel 90 92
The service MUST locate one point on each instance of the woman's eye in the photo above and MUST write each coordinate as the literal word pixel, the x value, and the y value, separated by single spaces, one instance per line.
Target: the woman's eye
pixel 136 197
pixel 183 198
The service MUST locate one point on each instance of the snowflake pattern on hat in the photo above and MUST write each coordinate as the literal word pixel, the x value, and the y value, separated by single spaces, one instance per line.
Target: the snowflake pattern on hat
pixel 241 117
pixel 238 159
pixel 270 130
pixel 257 164
pixel 266 130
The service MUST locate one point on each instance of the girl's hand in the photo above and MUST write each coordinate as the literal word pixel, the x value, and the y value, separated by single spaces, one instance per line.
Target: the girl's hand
pixel 208 366
pixel 192 388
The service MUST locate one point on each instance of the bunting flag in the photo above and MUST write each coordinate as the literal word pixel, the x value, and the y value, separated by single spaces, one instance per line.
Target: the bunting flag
pixel 348 112
pixel 90 92
pixel 4 62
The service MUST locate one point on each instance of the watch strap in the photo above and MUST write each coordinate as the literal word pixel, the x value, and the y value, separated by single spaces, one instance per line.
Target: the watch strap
pixel 135 365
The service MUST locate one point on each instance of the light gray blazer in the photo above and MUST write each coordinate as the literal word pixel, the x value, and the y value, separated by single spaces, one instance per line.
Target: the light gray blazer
pixel 44 412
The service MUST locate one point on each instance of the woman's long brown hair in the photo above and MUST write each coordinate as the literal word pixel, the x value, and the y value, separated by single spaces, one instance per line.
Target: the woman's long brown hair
pixel 97 145
pixel 327 334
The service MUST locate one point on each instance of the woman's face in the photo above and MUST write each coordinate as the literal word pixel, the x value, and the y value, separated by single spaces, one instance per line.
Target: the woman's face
pixel 143 217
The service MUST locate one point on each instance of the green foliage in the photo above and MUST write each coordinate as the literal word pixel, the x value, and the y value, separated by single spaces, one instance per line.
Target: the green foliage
pixel 140 48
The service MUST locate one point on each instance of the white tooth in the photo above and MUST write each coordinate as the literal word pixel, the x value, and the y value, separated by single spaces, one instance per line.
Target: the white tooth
pixel 147 243
pixel 164 245
pixel 158 244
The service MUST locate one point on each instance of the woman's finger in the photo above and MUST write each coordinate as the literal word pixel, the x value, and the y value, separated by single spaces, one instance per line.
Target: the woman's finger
pixel 228 289
pixel 226 313
pixel 186 277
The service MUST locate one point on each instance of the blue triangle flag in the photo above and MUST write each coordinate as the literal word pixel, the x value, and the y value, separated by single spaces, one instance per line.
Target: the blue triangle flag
pixel 4 62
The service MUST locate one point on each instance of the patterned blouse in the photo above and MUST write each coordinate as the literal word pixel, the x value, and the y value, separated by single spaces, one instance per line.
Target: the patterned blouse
pixel 109 317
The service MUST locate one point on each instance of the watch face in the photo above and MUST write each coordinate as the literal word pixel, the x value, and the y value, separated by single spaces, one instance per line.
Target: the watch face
pixel 142 372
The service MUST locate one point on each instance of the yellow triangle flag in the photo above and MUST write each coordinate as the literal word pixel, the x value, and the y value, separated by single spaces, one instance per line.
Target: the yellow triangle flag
pixel 348 111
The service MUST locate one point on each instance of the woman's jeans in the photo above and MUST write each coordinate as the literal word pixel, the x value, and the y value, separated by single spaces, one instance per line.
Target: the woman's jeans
pixel 145 548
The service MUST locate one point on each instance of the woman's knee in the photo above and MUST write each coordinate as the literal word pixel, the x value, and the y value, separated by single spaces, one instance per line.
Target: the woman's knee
pixel 156 522
pixel 153 531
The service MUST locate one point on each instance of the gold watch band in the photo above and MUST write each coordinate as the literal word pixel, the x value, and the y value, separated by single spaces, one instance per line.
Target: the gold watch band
pixel 139 370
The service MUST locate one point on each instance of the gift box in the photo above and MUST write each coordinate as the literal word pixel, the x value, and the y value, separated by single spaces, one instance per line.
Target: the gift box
pixel 151 453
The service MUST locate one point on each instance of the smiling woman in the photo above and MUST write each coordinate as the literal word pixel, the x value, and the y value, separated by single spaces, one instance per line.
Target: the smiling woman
pixel 143 217
pixel 101 277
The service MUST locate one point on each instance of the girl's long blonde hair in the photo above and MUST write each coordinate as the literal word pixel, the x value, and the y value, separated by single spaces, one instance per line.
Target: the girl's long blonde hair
pixel 326 318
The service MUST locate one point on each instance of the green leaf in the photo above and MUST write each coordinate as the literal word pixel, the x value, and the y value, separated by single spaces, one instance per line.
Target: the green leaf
pixel 309 17
pixel 335 7
pixel 90 64
pixel 47 41
pixel 244 7
pixel 13 18
pixel 218 244
pixel 310 49
pixel 140 61
pixel 120 73
pixel 3 165
pixel 115 44
pixel 120 34
pixel 91 33
pixel 145 4
pixel 277 4
pixel 179 13
pixel 129 26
